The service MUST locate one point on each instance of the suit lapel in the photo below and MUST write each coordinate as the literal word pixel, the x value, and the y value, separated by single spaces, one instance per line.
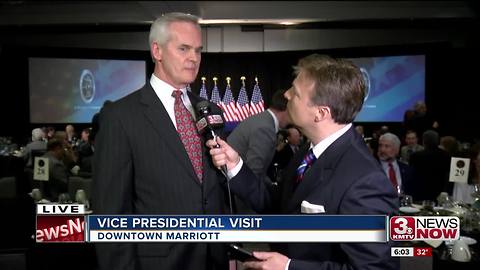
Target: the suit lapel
pixel 161 122
pixel 320 171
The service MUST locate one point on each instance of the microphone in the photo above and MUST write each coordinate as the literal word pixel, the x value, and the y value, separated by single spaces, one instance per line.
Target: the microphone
pixel 206 125
pixel 208 122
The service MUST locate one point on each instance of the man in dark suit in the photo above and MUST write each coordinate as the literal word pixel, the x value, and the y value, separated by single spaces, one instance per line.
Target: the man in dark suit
pixel 399 173
pixel 337 172
pixel 141 163
pixel 283 156
pixel 431 168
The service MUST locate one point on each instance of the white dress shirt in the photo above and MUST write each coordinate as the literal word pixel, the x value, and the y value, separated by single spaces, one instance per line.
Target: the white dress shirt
pixel 164 93
pixel 396 168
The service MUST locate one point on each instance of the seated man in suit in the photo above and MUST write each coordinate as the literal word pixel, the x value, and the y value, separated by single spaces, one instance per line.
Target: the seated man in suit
pixel 399 173
pixel 37 143
pixel 57 171
pixel 335 171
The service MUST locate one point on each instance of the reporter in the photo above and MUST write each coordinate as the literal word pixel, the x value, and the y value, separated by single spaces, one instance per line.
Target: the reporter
pixel 336 171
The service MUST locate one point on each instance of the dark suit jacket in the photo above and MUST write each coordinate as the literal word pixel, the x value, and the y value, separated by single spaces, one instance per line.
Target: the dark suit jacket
pixel 431 169
pixel 283 157
pixel 406 172
pixel 141 167
pixel 346 179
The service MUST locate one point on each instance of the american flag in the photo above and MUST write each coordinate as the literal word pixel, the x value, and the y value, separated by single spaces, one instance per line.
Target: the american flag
pixel 229 107
pixel 203 91
pixel 243 107
pixel 256 103
pixel 216 96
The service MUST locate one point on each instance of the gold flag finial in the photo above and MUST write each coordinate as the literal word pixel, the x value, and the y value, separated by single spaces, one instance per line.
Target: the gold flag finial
pixel 256 80
pixel 228 80
pixel 243 80
pixel 204 79
pixel 215 80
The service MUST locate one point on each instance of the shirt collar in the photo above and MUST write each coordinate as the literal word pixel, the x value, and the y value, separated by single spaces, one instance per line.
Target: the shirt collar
pixel 163 89
pixel 325 143
pixel 385 163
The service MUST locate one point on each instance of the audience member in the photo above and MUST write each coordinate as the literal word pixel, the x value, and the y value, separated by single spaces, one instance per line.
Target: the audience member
pixel 254 139
pixel 50 133
pixel 431 168
pixel 360 130
pixel 58 172
pixel 285 152
pixel 71 137
pixel 411 146
pixel 85 151
pixel 450 145
pixel 462 192
pixel 399 173
pixel 37 144
pixel 422 119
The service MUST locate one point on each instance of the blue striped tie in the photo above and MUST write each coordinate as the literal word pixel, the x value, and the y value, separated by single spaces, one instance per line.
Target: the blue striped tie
pixel 306 163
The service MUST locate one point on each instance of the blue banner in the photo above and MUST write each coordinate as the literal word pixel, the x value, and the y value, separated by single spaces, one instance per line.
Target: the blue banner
pixel 271 222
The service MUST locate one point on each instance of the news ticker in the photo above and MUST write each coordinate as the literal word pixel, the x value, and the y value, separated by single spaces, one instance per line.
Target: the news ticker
pixel 69 223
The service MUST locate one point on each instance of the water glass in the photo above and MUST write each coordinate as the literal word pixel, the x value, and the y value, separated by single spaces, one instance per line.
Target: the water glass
pixel 428 205
pixel 36 195
pixel 64 198
pixel 407 200
pixel 80 196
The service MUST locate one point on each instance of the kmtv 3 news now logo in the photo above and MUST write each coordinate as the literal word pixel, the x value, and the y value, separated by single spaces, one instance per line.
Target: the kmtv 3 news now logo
pixel 406 228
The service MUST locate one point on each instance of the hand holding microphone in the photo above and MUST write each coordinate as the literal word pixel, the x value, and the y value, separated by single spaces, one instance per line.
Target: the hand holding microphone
pixel 223 156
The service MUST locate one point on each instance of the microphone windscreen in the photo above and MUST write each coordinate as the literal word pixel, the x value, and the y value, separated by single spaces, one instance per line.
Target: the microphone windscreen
pixel 203 108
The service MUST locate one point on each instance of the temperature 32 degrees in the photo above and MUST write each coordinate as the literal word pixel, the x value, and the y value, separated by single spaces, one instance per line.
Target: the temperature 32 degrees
pixel 411 252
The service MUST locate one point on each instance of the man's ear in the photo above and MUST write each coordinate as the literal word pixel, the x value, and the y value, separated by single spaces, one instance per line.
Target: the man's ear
pixel 321 113
pixel 157 51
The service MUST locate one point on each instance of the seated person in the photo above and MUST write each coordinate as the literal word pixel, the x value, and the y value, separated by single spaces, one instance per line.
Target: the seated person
pixel 57 171
pixel 85 152
pixel 411 146
pixel 462 192
pixel 36 144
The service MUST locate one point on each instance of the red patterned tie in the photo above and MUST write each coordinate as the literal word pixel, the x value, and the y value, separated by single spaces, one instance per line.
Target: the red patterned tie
pixel 188 133
pixel 392 175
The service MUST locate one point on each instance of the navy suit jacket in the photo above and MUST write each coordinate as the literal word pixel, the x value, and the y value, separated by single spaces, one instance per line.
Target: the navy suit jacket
pixel 406 172
pixel 141 167
pixel 346 179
